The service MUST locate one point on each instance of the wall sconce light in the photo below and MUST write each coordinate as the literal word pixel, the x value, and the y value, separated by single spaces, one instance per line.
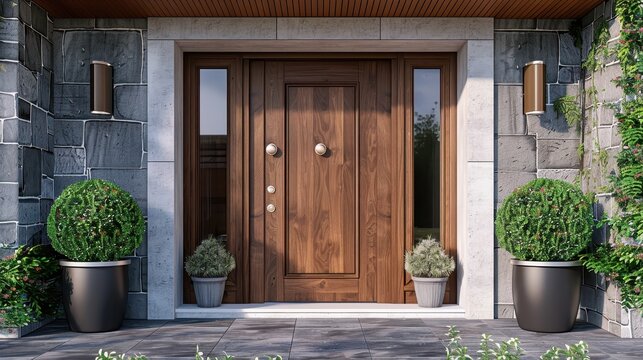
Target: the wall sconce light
pixel 533 88
pixel 101 87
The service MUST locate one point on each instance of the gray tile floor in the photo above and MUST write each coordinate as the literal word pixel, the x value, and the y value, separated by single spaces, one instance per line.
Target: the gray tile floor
pixel 303 339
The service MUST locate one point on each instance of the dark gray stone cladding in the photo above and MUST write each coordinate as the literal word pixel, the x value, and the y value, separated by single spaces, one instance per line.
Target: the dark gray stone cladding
pixel 26 124
pixel 90 146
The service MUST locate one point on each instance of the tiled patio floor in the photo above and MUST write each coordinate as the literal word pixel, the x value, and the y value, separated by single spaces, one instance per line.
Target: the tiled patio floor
pixel 303 338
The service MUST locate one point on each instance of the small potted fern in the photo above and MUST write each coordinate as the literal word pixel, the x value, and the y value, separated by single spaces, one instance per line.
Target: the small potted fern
pixel 430 268
pixel 209 267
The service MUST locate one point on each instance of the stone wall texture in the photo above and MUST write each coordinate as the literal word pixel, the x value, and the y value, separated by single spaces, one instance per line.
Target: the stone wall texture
pixel 529 147
pixel 114 148
pixel 599 298
pixel 26 124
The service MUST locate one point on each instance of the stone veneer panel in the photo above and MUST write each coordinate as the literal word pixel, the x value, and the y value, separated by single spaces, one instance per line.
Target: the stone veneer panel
pixel 26 184
pixel 90 146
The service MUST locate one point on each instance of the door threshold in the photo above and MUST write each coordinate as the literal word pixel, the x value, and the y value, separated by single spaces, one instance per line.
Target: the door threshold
pixel 319 310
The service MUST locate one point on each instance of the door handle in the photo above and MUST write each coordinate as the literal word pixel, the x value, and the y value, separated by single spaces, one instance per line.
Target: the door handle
pixel 320 149
pixel 271 149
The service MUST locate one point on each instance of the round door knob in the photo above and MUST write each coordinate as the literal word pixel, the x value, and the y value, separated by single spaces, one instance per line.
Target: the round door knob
pixel 320 149
pixel 271 149
pixel 271 189
pixel 271 208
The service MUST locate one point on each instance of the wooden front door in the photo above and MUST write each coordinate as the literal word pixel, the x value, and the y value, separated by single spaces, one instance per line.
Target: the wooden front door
pixel 327 227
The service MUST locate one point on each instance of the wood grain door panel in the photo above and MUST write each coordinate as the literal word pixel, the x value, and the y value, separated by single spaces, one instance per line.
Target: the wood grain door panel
pixel 321 220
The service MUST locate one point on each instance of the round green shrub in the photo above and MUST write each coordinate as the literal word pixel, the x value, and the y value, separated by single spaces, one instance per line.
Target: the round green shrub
pixel 545 220
pixel 210 260
pixel 428 260
pixel 95 220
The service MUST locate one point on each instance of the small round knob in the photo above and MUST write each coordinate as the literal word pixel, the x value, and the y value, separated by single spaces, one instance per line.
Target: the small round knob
pixel 271 149
pixel 270 189
pixel 320 149
pixel 271 208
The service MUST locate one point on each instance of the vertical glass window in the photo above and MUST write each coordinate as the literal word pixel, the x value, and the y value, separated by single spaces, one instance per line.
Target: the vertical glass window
pixel 213 151
pixel 426 153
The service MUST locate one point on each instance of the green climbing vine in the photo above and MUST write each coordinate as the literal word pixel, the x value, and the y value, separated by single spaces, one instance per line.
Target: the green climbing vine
pixel 568 107
pixel 622 261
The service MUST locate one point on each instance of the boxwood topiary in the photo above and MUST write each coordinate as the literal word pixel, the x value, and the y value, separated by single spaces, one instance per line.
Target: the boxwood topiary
pixel 95 220
pixel 545 220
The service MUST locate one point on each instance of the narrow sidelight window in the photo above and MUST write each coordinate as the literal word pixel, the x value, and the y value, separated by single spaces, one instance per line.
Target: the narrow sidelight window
pixel 426 153
pixel 213 151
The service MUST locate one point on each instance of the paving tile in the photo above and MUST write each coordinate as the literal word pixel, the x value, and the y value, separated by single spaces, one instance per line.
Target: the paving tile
pixel 396 333
pixel 189 333
pixel 345 354
pixel 251 348
pixel 21 348
pixel 172 349
pixel 328 323
pixel 406 348
pixel 69 355
pixel 306 334
pixel 199 322
pixel 392 322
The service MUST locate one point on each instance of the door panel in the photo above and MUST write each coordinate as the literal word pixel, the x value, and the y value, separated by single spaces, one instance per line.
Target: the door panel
pixel 321 218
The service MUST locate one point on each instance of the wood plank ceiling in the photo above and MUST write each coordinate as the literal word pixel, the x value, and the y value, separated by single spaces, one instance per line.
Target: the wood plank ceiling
pixel 561 9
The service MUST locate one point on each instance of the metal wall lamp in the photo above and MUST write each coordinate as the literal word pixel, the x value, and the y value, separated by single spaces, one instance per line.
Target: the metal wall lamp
pixel 101 88
pixel 533 88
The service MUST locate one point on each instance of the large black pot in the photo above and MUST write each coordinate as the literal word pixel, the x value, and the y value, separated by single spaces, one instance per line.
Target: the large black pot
pixel 95 294
pixel 546 294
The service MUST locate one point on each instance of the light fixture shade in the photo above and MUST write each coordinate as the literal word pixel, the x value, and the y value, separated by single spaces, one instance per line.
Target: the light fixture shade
pixel 533 87
pixel 101 88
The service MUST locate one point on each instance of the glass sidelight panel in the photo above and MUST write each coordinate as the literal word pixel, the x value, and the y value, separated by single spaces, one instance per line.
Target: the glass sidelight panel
pixel 213 152
pixel 426 152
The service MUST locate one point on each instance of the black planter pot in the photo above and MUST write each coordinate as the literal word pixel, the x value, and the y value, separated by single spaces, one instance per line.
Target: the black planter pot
pixel 94 294
pixel 546 294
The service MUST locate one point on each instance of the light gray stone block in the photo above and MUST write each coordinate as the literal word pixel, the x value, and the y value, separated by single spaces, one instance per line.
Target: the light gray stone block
pixel 74 23
pixel 121 23
pixel 569 175
pixel 136 306
pixel 27 85
pixel 47 188
pixel 414 28
pixel 9 29
pixel 558 154
pixel 551 125
pixel 514 24
pixel 38 19
pixel 68 133
pixel 507 182
pixel 9 9
pixel 554 24
pixel 329 28
pixel 162 107
pixel 31 172
pixel 505 311
pixel 39 128
pixel 48 164
pixel 122 49
pixel 44 89
pixel 516 153
pixel 134 274
pixel 62 181
pixel 133 181
pixel 607 92
pixel 7 106
pixel 69 161
pixel 9 163
pixel 503 276
pixel 17 131
pixel 557 91
pixel 569 74
pixel 509 116
pixel 130 102
pixel 9 51
pixel 8 76
pixel 28 211
pixel 33 56
pixel 113 144
pixel 8 202
pixel 47 53
pixel 514 49
pixel 9 232
pixel 212 28
pixel 569 53
pixel 604 134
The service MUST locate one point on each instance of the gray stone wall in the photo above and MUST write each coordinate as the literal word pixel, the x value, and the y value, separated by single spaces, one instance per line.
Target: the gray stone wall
pixel 530 147
pixel 599 298
pixel 114 147
pixel 26 124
